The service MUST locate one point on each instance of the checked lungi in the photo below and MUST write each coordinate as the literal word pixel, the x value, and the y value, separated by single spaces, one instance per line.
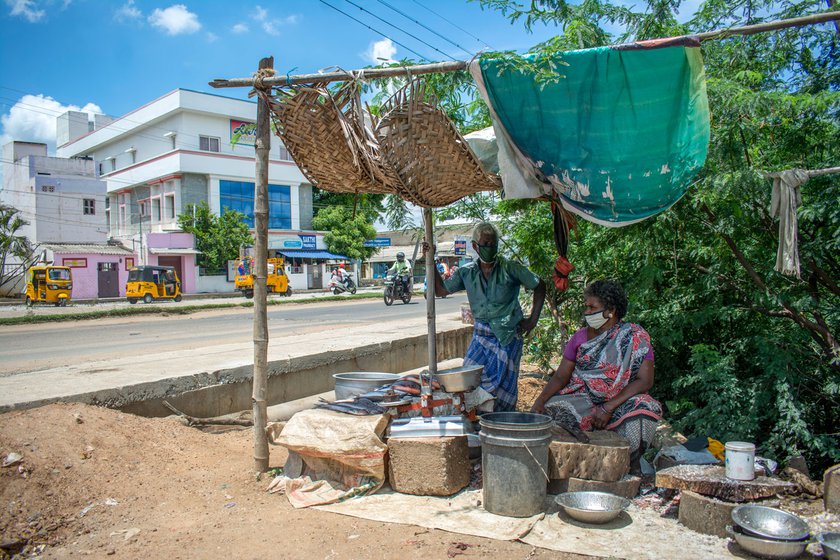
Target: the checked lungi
pixel 501 365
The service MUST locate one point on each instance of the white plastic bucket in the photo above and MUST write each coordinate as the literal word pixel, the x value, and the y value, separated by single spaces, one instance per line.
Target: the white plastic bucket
pixel 740 460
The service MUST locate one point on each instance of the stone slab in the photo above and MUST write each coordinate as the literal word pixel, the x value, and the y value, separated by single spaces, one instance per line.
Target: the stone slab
pixel 710 480
pixel 627 487
pixel 605 458
pixel 432 466
pixel 707 515
pixel 831 489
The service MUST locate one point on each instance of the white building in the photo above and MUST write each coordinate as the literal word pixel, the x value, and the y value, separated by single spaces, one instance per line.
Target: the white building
pixel 63 203
pixel 60 198
pixel 184 148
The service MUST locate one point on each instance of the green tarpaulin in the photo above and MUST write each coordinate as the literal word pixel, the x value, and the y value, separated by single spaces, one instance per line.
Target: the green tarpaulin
pixel 618 139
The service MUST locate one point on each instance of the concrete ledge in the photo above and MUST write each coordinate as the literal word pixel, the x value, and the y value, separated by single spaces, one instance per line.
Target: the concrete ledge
pixel 227 389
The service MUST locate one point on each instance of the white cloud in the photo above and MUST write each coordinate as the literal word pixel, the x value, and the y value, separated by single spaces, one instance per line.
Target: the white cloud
pixel 268 27
pixel 212 37
pixel 128 12
pixel 239 28
pixel 32 119
pixel 269 24
pixel 381 51
pixel 175 20
pixel 26 9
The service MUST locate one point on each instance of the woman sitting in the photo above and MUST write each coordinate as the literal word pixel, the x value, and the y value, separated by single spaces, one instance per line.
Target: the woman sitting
pixel 606 372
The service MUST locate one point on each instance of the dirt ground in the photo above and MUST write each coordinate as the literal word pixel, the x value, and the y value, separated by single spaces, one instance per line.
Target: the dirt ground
pixel 99 483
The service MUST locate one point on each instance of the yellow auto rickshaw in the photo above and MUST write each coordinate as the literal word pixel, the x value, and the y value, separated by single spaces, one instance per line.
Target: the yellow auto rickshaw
pixel 277 282
pixel 48 284
pixel 152 282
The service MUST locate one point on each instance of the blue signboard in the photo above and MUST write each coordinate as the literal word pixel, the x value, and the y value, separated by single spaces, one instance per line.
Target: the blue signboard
pixel 460 247
pixel 378 242
pixel 292 244
pixel 308 241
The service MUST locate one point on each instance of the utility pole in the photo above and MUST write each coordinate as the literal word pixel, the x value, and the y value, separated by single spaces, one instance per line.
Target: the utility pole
pixel 260 387
pixel 430 289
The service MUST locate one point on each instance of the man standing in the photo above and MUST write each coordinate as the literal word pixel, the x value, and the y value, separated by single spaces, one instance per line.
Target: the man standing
pixel 492 284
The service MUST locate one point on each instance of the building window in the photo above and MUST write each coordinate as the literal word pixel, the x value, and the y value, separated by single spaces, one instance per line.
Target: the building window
pixel 239 196
pixel 208 143
pixel 284 153
pixel 170 207
pixel 156 209
pixel 144 208
pixel 89 206
pixel 113 164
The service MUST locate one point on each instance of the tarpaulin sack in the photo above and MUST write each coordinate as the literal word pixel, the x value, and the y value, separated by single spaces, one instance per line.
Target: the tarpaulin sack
pixel 343 455
pixel 617 139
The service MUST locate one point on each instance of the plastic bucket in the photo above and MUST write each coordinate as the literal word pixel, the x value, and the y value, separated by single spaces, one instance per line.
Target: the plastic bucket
pixel 740 460
pixel 514 462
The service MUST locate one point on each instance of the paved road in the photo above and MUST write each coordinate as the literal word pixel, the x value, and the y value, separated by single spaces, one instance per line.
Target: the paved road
pixel 34 347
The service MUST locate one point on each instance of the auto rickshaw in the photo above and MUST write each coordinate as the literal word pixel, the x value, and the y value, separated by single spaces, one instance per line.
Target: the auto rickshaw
pixel 48 284
pixel 152 282
pixel 277 282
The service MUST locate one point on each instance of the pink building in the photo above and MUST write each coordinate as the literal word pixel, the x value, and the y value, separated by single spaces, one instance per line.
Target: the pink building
pixel 99 270
pixel 176 250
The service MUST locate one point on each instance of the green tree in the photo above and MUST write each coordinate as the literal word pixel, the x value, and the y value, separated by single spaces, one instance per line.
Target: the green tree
pixel 346 233
pixel 217 237
pixel 15 249
pixel 741 351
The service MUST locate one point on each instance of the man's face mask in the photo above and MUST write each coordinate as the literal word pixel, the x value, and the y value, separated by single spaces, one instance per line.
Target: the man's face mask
pixel 487 253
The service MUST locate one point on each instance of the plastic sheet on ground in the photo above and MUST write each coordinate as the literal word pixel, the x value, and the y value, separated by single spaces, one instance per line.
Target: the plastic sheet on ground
pixel 343 456
pixel 637 533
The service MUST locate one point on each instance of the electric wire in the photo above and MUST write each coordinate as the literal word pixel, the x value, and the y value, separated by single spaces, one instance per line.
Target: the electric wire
pixel 386 22
pixel 456 26
pixel 424 26
pixel 374 30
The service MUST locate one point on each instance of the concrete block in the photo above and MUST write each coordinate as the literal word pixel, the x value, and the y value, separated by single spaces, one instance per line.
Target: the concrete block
pixel 429 466
pixel 606 457
pixel 628 486
pixel 831 489
pixel 709 516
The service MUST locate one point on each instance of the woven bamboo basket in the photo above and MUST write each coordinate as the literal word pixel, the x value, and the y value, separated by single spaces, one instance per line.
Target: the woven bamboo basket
pixel 326 136
pixel 434 162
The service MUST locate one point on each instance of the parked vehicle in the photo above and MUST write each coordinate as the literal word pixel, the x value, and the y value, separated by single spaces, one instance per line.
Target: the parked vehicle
pixel 152 282
pixel 48 284
pixel 342 283
pixel 276 281
pixel 396 287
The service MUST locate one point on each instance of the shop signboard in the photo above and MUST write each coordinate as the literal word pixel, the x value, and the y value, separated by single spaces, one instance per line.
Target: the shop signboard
pixel 308 241
pixel 242 133
pixel 460 246
pixel 378 242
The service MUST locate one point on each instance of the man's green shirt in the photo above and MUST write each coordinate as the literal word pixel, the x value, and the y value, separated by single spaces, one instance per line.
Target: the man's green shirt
pixel 495 300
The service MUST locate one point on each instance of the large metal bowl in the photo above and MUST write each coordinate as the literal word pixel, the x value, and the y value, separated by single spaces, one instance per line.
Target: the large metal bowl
pixel 460 379
pixel 770 523
pixel 830 544
pixel 355 383
pixel 767 548
pixel 592 507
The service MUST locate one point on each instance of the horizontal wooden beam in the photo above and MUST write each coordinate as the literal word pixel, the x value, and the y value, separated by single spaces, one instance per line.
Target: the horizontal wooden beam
pixel 455 65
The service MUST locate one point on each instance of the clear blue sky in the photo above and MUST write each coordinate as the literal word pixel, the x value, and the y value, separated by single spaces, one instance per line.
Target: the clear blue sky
pixel 115 56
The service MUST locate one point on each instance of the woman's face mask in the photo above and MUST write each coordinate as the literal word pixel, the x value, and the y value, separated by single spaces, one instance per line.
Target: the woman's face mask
pixel 596 320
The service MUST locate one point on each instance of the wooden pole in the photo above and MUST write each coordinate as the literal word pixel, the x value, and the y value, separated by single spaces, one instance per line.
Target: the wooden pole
pixel 260 387
pixel 430 289
pixel 456 65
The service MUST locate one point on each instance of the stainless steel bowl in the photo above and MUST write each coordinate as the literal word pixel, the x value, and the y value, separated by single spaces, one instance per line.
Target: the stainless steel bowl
pixel 592 507
pixel 355 383
pixel 831 545
pixel 767 548
pixel 770 523
pixel 460 379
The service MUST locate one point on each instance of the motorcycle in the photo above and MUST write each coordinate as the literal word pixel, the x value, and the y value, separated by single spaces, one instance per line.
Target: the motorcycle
pixel 340 286
pixel 395 288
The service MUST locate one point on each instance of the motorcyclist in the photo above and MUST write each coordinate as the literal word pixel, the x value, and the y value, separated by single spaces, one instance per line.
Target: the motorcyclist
pixel 402 268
